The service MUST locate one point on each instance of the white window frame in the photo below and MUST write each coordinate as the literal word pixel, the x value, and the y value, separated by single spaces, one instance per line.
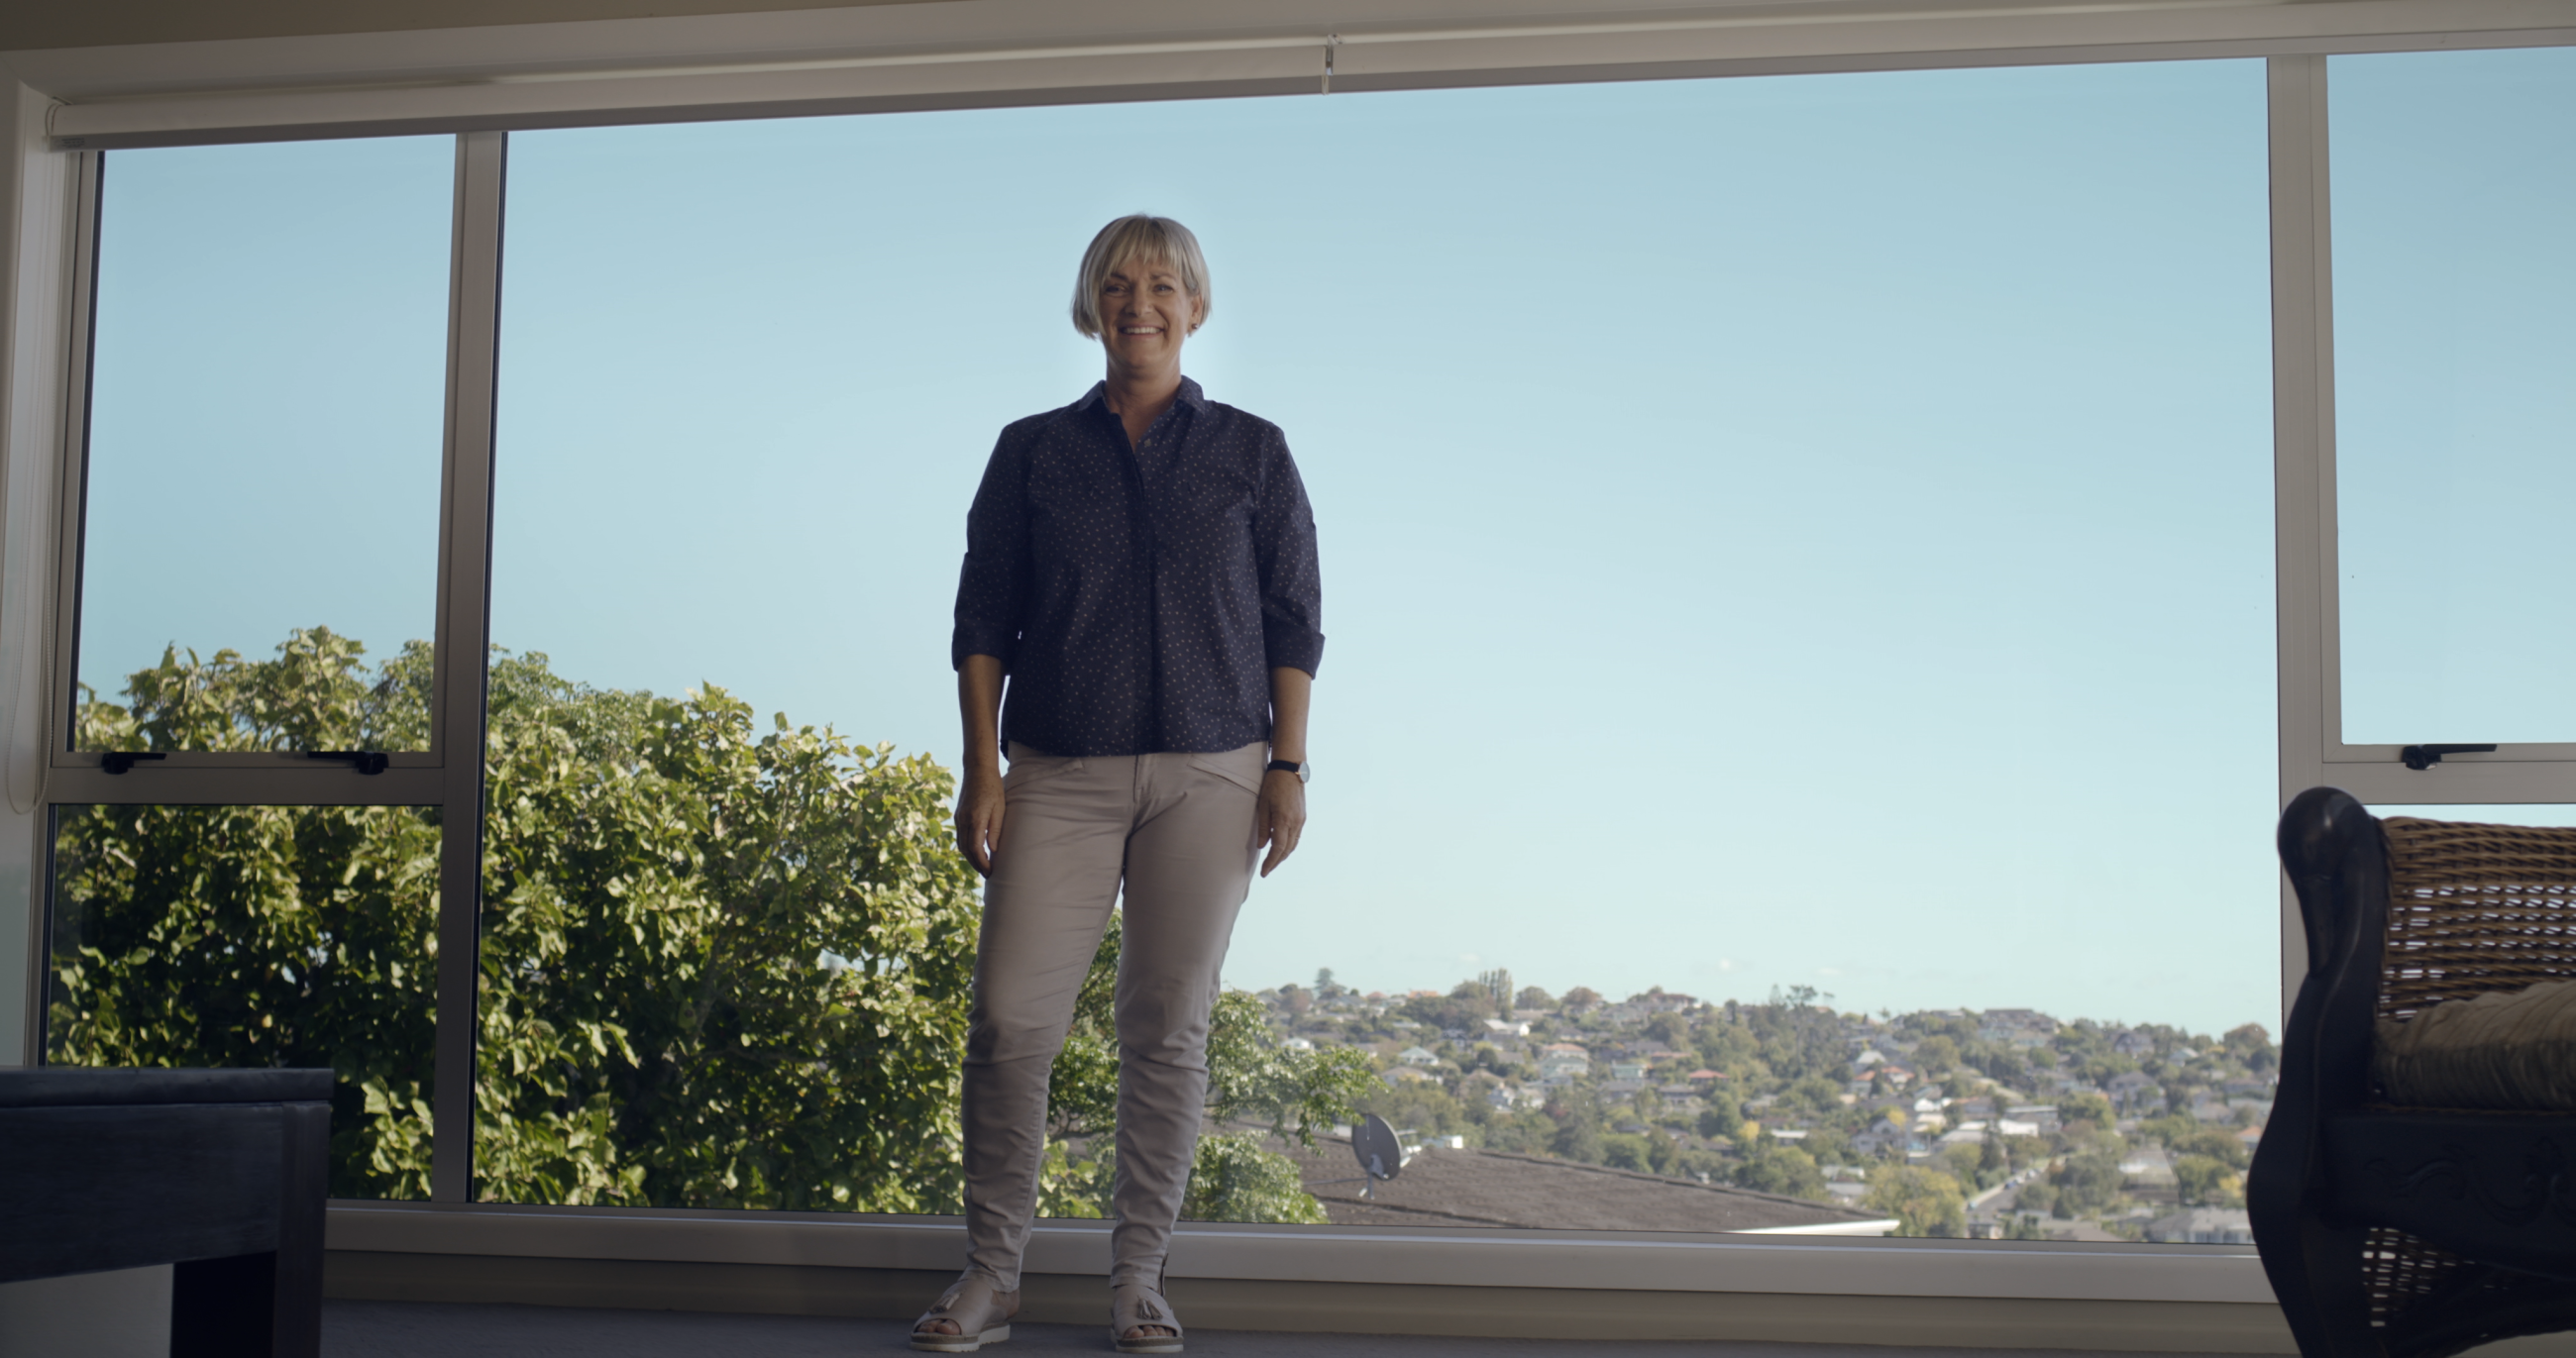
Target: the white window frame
pixel 474 83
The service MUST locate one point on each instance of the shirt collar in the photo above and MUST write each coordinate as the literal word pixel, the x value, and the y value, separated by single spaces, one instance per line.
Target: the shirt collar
pixel 1190 395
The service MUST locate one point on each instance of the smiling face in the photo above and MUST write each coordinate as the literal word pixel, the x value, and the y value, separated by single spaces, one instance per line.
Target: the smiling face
pixel 1146 312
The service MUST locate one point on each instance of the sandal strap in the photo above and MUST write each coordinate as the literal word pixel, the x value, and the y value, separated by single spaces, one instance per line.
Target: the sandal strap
pixel 975 1302
pixel 1135 1304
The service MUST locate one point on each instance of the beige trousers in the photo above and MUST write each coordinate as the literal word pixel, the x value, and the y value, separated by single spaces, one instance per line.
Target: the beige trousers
pixel 1176 830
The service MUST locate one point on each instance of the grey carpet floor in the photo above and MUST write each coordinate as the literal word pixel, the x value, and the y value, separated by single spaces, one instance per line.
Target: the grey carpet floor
pixel 375 1329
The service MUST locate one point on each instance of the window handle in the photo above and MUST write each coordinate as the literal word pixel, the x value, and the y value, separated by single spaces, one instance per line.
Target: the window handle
pixel 369 762
pixel 2422 757
pixel 118 761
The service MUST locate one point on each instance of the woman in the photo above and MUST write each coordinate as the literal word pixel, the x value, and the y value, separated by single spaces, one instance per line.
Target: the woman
pixel 1141 564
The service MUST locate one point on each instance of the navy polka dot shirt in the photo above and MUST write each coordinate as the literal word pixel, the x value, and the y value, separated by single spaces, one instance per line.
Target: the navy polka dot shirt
pixel 1138 597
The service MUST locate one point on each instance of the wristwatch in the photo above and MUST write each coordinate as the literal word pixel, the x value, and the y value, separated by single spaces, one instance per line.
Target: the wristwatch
pixel 1304 770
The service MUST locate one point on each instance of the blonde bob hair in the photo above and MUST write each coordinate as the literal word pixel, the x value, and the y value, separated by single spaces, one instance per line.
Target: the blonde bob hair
pixel 1156 240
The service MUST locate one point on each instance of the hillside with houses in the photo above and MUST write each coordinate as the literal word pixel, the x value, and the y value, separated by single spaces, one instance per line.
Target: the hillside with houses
pixel 1996 1123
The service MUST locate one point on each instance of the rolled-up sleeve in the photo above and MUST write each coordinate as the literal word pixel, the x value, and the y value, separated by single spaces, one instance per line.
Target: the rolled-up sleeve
pixel 992 587
pixel 1292 587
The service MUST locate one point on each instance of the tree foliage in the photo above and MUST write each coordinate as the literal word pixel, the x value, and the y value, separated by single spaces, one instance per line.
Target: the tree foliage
pixel 1923 1201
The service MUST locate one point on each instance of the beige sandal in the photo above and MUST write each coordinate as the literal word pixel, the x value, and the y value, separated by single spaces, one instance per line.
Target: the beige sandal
pixel 979 1309
pixel 1134 1306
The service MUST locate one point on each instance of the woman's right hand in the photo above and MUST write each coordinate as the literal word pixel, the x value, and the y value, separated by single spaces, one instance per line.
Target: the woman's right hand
pixel 979 794
pixel 979 817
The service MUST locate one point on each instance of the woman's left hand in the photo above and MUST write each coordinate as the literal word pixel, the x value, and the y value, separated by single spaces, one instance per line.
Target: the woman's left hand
pixel 1279 817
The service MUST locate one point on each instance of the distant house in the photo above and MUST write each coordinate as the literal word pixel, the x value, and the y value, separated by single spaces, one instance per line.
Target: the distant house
pixel 2040 1115
pixel 2148 1165
pixel 1705 1077
pixel 1507 1028
pixel 1298 1044
pixel 2249 1138
pixel 1563 1061
pixel 2020 1027
pixel 2130 1088
pixel 2131 1042
pixel 1628 1070
pixel 1507 1097
pixel 1620 1089
pixel 2203 1226
pixel 1898 1076
pixel 1869 1056
pixel 1882 1138
pixel 1400 1076
pixel 1416 1056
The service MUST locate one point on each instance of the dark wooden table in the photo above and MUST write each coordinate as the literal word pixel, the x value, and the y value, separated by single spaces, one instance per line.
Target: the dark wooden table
pixel 219 1172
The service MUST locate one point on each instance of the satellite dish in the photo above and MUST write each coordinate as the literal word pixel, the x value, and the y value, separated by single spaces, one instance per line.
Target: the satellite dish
pixel 1380 1149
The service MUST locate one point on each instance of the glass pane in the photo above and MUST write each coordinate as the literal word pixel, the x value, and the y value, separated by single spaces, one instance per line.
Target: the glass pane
pixel 267 411
pixel 1745 561
pixel 227 936
pixel 2454 198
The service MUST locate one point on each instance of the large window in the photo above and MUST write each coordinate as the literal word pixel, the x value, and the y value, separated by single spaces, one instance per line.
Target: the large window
pixel 1797 742
pixel 1787 541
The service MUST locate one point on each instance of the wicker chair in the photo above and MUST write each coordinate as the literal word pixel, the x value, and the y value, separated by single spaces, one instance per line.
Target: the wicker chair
pixel 2394 1232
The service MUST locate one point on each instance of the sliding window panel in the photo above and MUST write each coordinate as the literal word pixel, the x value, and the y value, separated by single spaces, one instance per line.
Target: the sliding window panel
pixel 2454 189
pixel 1786 542
pixel 259 936
pixel 267 405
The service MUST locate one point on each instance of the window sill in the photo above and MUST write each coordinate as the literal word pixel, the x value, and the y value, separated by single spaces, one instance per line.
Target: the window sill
pixel 1622 1261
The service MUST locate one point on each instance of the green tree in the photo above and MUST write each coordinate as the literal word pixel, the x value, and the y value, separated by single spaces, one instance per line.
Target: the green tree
pixel 1935 1057
pixel 1770 1167
pixel 2089 1107
pixel 1627 1150
pixel 719 969
pixel 2207 1181
pixel 1964 1161
pixel 1923 1201
pixel 2089 1180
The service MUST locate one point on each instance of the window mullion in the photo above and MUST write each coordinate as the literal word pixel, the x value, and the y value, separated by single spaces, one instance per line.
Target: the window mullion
pixel 2302 450
pixel 464 628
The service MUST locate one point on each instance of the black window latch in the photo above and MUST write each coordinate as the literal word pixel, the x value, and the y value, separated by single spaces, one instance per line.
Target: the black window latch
pixel 120 761
pixel 2422 757
pixel 369 762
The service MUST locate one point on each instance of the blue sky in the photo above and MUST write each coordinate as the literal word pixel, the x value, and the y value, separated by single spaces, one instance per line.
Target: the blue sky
pixel 1805 530
pixel 2456 419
